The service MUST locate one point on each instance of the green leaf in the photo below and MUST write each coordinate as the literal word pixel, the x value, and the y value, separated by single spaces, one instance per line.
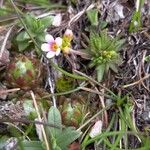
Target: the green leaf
pixel 113 67
pixel 106 41
pixel 29 109
pixel 93 16
pixel 30 20
pixel 67 136
pixel 135 22
pixel 22 45
pixel 118 43
pixel 47 21
pixel 54 118
pixel 54 144
pixel 103 25
pixel 147 58
pixel 100 72
pixel 41 38
pixel 95 43
pixel 22 36
pixel 32 145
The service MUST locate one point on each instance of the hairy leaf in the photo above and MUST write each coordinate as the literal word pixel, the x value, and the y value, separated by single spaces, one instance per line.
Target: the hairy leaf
pixel 100 72
pixel 93 16
pixel 54 118
pixel 32 145
pixel 67 136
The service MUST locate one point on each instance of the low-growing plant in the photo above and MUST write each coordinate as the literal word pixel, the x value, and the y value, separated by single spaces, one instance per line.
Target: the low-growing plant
pixel 104 53
pixel 59 137
pixel 36 28
pixel 121 118
pixel 24 72
pixel 73 112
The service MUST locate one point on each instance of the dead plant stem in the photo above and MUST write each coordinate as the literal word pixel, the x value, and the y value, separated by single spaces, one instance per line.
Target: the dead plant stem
pixel 40 119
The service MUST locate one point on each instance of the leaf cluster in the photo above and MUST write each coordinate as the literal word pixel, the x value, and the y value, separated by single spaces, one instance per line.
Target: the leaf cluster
pixel 59 137
pixel 104 53
pixel 36 28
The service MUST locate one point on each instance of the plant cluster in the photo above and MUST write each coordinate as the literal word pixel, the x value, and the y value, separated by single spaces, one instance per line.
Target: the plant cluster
pixel 50 124
pixel 104 52
pixel 36 27
pixel 24 72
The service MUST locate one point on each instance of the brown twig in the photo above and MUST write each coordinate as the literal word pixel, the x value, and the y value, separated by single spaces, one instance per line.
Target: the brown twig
pixel 137 82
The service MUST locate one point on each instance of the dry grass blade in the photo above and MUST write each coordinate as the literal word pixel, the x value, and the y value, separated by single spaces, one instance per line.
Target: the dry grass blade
pixel 40 119
pixel 8 91
pixel 5 41
pixel 137 82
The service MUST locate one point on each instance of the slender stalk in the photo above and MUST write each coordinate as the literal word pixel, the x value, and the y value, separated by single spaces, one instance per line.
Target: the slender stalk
pixel 67 73
pixel 67 92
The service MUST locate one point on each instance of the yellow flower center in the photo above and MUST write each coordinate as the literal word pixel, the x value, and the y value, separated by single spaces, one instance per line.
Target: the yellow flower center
pixel 53 47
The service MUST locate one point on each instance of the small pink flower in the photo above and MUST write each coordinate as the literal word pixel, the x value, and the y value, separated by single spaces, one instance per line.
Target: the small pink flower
pixel 52 47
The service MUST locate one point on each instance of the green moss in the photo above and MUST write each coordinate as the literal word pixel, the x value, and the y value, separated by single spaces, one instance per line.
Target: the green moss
pixel 64 84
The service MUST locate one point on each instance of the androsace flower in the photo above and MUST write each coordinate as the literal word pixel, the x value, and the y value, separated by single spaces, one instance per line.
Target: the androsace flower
pixel 52 47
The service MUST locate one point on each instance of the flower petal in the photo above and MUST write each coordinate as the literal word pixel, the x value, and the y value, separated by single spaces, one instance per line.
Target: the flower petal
pixel 58 41
pixel 49 38
pixel 50 54
pixel 57 20
pixel 45 47
pixel 57 52
pixel 68 32
pixel 96 129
